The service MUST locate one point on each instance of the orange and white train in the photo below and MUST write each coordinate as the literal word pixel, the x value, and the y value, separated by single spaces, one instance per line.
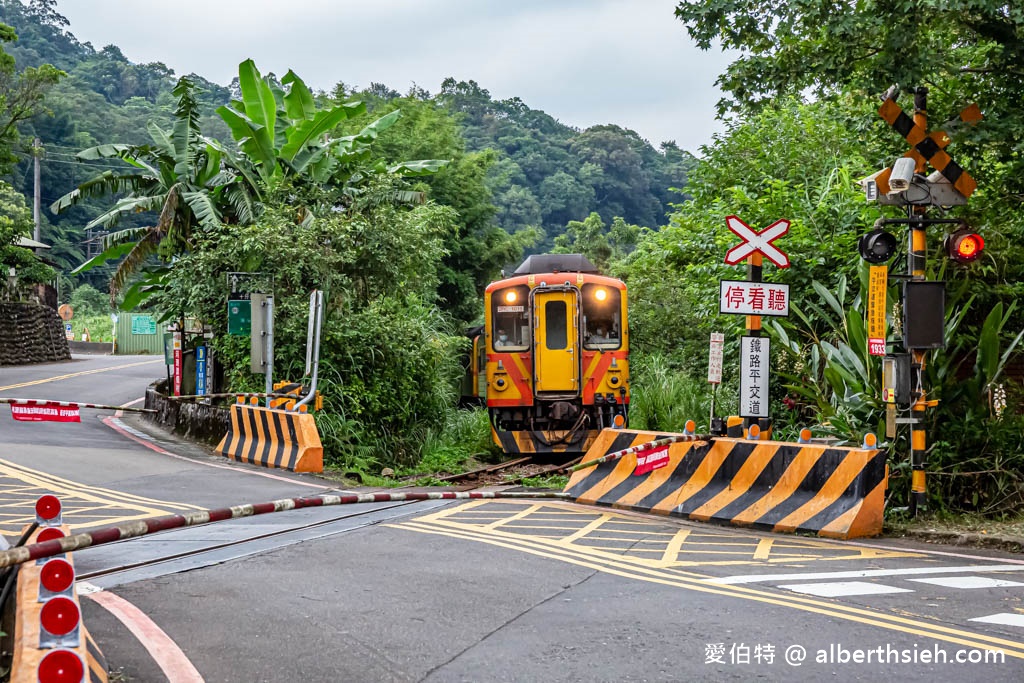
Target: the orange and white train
pixel 552 359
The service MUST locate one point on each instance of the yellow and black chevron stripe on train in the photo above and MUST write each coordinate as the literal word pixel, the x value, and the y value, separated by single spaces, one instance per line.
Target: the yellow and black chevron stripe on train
pixel 273 438
pixel 545 442
pixel 832 491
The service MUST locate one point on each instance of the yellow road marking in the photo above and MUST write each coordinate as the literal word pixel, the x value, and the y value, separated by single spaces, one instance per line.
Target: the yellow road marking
pixel 864 616
pixel 671 554
pixel 764 548
pixel 583 531
pixel 519 515
pixel 83 505
pixel 78 374
pixel 15 471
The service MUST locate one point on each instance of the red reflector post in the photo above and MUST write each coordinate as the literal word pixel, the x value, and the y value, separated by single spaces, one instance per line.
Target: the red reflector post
pixel 48 508
pixel 59 616
pixel 61 666
pixel 57 576
pixel 50 533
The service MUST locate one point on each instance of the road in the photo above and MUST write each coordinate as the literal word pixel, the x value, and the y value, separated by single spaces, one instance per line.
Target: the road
pixel 476 591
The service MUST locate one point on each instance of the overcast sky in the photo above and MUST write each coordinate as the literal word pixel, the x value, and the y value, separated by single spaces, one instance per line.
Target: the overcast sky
pixel 585 62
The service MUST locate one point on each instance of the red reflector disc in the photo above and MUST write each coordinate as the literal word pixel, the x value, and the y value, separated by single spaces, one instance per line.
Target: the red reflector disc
pixel 48 507
pixel 59 616
pixel 50 533
pixel 61 666
pixel 57 575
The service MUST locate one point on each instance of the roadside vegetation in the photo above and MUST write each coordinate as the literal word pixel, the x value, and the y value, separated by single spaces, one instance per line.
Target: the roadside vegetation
pixel 403 207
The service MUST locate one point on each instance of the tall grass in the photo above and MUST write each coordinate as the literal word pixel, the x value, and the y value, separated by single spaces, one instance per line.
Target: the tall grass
pixel 664 398
pixel 465 436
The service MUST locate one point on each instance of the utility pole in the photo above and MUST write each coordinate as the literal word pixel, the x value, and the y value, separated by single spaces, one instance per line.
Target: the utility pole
pixel 37 151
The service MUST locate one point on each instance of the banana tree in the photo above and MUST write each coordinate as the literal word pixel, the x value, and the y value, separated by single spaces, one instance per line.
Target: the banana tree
pixel 192 184
pixel 284 136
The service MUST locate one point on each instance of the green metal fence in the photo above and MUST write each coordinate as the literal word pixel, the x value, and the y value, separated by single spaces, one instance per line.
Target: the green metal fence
pixel 137 333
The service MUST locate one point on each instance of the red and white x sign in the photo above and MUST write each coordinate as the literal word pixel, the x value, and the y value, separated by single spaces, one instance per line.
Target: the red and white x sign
pixel 757 241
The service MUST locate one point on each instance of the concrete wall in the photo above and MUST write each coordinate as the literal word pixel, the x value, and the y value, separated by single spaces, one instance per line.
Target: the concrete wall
pixel 194 421
pixel 30 333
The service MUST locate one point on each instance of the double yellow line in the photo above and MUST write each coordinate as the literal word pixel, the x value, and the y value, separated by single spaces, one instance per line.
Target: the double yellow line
pixel 77 374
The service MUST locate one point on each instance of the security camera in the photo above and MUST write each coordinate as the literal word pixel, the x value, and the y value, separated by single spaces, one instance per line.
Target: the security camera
pixel 870 185
pixel 902 175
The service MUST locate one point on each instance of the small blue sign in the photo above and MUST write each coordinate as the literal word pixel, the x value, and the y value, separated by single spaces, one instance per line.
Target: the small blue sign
pixel 200 370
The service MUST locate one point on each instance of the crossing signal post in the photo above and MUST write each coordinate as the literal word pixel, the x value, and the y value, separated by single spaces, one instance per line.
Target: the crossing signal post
pixel 924 302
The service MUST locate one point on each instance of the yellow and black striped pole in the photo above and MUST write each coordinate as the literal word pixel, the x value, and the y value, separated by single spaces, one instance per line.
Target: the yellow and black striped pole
pixel 916 258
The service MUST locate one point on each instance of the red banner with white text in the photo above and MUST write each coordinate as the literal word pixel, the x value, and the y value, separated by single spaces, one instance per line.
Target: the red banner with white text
pixel 46 412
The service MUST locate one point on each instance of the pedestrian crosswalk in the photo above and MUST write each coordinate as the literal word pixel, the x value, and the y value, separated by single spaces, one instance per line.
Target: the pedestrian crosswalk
pixel 936 582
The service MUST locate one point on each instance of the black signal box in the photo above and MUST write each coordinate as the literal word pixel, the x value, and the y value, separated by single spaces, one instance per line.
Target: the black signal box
pixel 924 314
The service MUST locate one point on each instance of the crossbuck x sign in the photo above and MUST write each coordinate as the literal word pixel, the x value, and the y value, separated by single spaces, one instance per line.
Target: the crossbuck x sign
pixel 757 241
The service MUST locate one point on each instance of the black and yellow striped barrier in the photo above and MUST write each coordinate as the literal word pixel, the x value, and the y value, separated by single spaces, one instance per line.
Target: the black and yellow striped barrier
pixel 837 492
pixel 273 438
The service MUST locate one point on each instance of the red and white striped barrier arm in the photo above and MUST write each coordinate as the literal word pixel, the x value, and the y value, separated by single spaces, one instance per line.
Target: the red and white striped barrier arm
pixel 142 527
pixel 650 445
pixel 70 404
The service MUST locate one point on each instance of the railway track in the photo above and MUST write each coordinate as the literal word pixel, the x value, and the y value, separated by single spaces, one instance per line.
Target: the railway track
pixel 520 468
pixel 239 537
pixel 296 530
pixel 165 548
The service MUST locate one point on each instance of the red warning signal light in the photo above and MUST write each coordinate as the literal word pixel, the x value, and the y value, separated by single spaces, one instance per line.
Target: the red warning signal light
pixel 51 533
pixel 964 246
pixel 61 666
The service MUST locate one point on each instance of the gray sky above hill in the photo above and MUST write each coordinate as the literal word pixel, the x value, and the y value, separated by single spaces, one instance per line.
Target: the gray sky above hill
pixel 585 62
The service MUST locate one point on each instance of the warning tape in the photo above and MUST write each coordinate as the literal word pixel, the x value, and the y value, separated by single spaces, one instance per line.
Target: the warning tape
pixel 70 404
pixel 142 527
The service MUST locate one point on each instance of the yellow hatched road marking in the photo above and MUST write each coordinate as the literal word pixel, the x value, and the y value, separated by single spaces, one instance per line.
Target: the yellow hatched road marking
pixel 16 471
pixel 77 374
pixel 83 505
pixel 583 531
pixel 764 548
pixel 680 546
pixel 671 554
pixel 699 583
pixel 519 515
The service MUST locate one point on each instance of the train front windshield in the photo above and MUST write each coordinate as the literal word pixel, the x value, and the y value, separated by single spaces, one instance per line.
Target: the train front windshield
pixel 602 317
pixel 510 318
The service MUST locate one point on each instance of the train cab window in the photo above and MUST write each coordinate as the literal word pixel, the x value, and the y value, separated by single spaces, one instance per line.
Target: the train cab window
pixel 602 317
pixel 510 317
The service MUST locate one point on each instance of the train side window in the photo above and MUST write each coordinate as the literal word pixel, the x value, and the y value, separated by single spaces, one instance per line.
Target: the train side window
pixel 556 335
pixel 510 318
pixel 602 317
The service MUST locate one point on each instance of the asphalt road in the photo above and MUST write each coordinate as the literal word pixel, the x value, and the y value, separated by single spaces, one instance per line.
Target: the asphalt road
pixel 481 591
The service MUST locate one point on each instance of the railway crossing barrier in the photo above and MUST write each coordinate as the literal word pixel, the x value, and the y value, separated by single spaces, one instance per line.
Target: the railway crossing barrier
pixel 833 491
pixel 51 644
pixel 273 438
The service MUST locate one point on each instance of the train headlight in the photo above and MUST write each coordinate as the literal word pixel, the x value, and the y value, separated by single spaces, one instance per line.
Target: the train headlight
pixel 601 294
pixel 511 296
pixel 500 384
pixel 613 380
